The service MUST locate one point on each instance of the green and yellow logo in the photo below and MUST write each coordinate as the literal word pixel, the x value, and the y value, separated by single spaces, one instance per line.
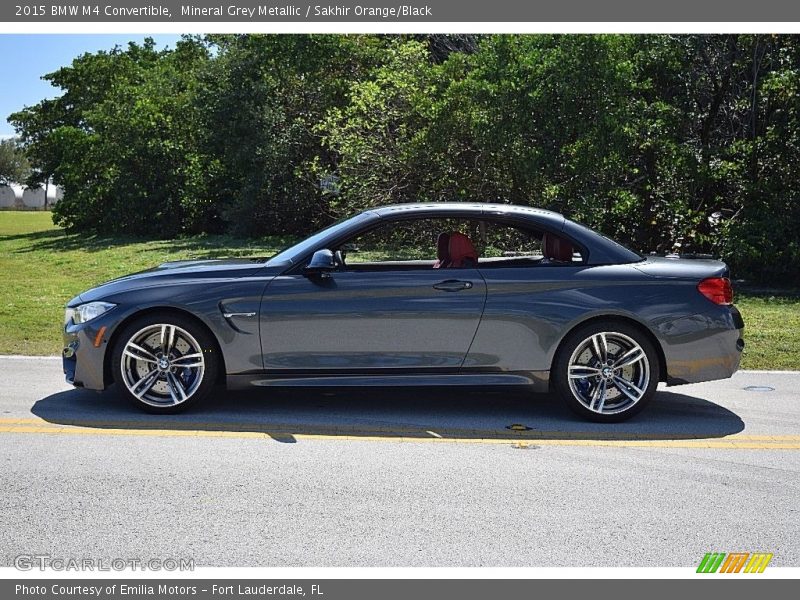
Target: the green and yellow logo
pixel 734 562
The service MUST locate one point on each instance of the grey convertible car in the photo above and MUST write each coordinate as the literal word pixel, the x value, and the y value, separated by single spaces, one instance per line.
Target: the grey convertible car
pixel 419 294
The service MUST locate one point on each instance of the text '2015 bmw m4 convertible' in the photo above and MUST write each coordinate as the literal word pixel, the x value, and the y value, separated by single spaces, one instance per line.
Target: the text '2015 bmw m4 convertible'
pixel 419 294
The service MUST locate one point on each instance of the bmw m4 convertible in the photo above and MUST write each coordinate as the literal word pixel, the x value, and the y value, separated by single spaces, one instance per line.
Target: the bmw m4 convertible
pixel 415 295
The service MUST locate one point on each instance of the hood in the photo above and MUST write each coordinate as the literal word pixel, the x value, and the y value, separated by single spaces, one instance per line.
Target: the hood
pixel 180 271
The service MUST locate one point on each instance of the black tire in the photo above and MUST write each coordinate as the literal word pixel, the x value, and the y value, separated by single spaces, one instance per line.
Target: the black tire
pixel 593 382
pixel 195 380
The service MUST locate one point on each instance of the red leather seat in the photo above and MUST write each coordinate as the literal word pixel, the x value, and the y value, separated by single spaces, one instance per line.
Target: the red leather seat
pixel 556 248
pixel 460 252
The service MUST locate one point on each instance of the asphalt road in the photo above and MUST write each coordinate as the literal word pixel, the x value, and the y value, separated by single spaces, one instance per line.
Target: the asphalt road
pixel 398 477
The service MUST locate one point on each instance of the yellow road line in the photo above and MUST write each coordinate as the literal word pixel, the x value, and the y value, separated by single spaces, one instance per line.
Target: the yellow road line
pixel 283 431
pixel 396 431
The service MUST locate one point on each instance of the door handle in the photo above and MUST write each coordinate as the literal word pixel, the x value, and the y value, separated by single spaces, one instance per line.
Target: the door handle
pixel 452 285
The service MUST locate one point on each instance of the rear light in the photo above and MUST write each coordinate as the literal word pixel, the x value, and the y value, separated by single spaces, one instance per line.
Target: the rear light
pixel 717 289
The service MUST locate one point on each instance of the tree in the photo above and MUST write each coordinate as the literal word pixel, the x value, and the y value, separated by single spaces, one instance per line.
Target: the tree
pixel 377 139
pixel 119 139
pixel 668 143
pixel 525 119
pixel 259 101
pixel 14 165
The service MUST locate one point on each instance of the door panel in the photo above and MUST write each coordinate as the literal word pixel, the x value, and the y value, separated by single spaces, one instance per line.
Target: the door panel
pixel 357 321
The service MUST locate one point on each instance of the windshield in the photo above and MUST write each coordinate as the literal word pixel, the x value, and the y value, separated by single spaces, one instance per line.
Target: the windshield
pixel 310 243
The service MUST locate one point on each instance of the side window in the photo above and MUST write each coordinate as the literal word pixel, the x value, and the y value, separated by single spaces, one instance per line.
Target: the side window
pixel 509 245
pixel 399 244
pixel 416 244
pixel 501 241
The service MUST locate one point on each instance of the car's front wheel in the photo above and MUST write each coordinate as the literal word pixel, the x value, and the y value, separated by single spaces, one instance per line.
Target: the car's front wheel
pixel 606 372
pixel 165 363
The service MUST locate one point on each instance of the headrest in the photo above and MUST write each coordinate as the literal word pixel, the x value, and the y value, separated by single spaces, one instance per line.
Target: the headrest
pixel 556 248
pixel 460 249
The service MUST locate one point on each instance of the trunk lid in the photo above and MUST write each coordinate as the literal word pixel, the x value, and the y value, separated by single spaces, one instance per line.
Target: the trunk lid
pixel 682 268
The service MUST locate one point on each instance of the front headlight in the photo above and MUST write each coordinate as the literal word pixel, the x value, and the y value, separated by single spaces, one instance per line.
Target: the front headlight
pixel 86 312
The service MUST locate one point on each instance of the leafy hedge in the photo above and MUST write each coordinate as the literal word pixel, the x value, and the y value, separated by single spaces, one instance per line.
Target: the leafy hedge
pixel 667 143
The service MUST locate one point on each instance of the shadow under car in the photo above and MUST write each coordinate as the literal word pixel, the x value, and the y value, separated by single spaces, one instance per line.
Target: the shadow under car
pixel 407 412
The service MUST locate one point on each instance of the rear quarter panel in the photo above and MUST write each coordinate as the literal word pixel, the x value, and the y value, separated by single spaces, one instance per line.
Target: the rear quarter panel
pixel 529 311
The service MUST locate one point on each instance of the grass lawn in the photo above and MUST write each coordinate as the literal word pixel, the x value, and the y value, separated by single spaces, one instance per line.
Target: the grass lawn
pixel 772 331
pixel 41 268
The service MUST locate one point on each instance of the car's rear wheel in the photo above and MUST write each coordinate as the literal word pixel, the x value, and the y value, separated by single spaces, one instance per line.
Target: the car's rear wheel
pixel 165 363
pixel 606 372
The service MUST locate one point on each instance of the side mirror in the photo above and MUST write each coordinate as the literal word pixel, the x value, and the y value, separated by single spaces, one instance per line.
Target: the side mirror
pixel 321 264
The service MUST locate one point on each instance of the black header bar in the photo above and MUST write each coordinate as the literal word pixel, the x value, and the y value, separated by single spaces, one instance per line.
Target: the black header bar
pixel 399 11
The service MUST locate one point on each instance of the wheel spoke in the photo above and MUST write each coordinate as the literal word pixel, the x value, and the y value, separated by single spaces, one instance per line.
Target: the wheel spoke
pixel 582 371
pixel 167 338
pixel 138 353
pixel 192 359
pixel 628 388
pixel 145 384
pixel 600 347
pixel 176 390
pixel 631 357
pixel 599 397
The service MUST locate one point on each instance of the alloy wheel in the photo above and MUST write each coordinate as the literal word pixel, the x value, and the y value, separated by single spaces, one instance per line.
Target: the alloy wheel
pixel 162 365
pixel 608 373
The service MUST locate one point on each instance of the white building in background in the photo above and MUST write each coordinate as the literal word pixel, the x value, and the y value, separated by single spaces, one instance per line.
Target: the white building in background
pixel 21 197
pixel 8 197
pixel 33 197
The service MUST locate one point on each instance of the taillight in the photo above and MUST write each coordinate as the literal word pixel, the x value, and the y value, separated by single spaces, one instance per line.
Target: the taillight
pixel 717 289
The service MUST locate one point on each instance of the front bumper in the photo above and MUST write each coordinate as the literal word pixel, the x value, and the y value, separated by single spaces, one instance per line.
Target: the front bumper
pixel 84 353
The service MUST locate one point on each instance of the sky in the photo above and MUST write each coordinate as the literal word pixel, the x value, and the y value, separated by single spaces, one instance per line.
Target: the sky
pixel 25 58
